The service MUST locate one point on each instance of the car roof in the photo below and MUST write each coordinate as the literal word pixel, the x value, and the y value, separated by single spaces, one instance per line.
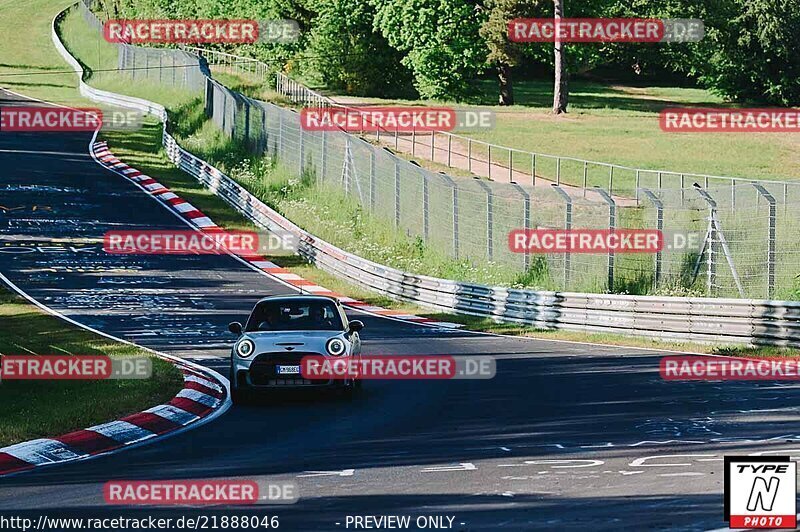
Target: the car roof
pixel 298 298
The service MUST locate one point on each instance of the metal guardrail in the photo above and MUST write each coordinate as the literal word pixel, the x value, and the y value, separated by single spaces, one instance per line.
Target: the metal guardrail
pixel 745 321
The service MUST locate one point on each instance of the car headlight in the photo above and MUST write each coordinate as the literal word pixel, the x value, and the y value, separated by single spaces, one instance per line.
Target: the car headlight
pixel 245 348
pixel 336 347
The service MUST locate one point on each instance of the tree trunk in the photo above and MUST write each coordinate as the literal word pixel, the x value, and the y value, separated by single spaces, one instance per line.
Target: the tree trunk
pixel 506 84
pixel 561 83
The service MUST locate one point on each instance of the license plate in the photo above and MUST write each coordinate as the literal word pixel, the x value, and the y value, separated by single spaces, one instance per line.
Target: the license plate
pixel 287 370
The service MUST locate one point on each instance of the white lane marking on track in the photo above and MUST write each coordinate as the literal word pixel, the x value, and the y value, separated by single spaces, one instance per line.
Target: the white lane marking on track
pixel 342 473
pixel 641 462
pixel 464 466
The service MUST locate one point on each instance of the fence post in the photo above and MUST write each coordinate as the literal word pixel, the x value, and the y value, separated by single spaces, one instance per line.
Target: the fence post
pixel 533 169
pixel 449 148
pixel 396 193
pixel 280 132
pixel 425 205
pixel 489 218
pixel 264 134
pixel 510 165
pixel 660 226
pixel 247 123
pixel 372 181
pixel 490 161
pixel 526 218
pixel 612 225
pixel 413 140
pixel 224 109
pixel 558 171
pixel 454 188
pixel 638 184
pixel 302 151
pixel 567 226
pixel 469 155
pixel 323 155
pixel 610 179
pixel 433 143
pixel 770 238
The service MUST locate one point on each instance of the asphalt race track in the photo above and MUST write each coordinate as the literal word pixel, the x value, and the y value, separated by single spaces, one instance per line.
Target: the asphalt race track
pixel 565 436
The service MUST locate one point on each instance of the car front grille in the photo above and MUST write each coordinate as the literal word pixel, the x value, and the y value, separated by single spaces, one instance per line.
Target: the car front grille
pixel 264 373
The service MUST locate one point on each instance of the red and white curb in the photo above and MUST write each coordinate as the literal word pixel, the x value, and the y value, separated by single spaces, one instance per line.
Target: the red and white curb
pixel 195 217
pixel 202 394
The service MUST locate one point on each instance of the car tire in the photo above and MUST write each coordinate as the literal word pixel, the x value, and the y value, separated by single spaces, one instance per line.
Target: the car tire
pixel 237 394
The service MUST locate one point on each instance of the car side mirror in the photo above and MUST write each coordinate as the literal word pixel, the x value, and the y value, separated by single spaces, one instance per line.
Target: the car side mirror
pixel 356 326
pixel 235 327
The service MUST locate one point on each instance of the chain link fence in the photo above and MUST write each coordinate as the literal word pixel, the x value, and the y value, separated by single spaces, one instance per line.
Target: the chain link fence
pixel 723 237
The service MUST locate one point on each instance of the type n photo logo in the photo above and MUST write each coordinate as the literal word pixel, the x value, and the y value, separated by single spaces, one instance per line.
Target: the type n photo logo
pixel 760 492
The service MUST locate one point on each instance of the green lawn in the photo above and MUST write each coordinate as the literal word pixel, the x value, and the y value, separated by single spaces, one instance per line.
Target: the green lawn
pixel 619 124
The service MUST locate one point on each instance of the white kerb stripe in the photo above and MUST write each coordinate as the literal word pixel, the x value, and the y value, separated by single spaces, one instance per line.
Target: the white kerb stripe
pixel 176 415
pixel 122 431
pixel 184 207
pixel 205 382
pixel 198 396
pixel 204 221
pixel 288 276
pixel 42 451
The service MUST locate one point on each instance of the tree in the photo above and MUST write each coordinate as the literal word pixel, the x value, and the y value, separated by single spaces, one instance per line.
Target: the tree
pixel 350 55
pixel 503 53
pixel 561 81
pixel 440 43
pixel 752 51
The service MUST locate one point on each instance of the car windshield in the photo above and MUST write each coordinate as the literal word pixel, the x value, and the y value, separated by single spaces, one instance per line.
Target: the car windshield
pixel 295 315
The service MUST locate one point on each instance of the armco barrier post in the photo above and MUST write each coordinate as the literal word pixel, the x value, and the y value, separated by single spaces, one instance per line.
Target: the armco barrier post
pixel 567 226
pixel 612 225
pixel 770 238
pixel 489 218
pixel 447 179
pixel 526 219
pixel 660 226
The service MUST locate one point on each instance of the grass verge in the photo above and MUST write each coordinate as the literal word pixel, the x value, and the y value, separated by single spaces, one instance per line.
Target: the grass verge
pixel 39 409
